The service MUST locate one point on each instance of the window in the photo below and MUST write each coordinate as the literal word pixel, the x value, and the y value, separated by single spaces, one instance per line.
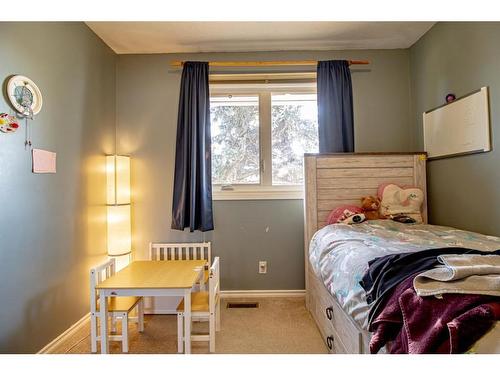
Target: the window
pixel 260 133
pixel 294 131
pixel 235 139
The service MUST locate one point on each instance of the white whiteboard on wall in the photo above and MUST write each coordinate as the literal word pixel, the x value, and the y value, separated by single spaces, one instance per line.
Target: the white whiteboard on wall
pixel 460 127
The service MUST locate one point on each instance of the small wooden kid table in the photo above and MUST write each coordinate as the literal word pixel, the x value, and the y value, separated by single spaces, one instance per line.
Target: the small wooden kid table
pixel 152 278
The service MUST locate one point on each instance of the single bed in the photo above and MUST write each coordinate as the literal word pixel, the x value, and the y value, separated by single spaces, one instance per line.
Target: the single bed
pixel 338 254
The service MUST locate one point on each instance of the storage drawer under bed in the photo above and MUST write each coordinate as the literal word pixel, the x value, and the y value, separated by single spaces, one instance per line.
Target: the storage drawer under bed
pixel 338 331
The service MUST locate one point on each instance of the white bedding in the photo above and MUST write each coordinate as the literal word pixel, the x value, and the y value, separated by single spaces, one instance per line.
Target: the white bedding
pixel 340 253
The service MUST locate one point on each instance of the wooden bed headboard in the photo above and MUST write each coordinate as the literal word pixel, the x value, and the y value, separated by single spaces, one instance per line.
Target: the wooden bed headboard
pixel 335 179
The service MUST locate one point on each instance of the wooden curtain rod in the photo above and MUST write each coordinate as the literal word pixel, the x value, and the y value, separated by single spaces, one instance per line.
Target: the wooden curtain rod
pixel 179 64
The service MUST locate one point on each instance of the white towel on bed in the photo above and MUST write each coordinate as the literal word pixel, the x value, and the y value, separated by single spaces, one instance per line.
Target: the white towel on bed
pixel 467 274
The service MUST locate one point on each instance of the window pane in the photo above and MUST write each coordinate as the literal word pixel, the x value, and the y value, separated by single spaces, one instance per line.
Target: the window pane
pixel 294 131
pixel 235 139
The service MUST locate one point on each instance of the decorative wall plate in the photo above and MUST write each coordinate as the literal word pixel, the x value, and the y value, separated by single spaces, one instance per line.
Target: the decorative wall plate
pixel 24 95
pixel 8 123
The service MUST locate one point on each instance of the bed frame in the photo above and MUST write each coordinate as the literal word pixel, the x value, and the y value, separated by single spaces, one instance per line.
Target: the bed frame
pixel 332 180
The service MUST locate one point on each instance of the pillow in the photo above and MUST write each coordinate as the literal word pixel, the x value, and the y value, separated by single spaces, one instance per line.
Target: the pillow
pixel 341 213
pixel 397 200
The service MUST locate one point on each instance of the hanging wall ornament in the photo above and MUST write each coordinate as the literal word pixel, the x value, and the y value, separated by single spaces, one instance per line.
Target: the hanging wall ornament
pixel 8 123
pixel 26 98
pixel 24 95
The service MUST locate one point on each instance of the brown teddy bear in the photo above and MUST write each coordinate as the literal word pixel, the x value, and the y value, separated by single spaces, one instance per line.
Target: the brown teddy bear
pixel 370 206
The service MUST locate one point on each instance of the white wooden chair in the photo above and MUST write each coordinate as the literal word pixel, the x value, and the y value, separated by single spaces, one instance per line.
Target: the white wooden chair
pixel 183 251
pixel 118 307
pixel 204 305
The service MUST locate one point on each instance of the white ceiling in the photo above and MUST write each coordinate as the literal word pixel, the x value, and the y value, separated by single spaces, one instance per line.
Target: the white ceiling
pixel 171 37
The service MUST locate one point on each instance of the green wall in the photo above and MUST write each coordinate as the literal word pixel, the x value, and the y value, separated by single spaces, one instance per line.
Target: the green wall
pixel 52 227
pixel 460 57
pixel 245 231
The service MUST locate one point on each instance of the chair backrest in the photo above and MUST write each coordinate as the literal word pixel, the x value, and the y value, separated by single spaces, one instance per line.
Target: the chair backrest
pixel 214 284
pixel 180 251
pixel 97 275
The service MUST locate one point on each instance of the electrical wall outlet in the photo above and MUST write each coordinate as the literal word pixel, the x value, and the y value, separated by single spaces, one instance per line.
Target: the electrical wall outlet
pixel 262 266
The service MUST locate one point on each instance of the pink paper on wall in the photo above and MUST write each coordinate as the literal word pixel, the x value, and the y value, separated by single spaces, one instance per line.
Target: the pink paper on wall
pixel 44 161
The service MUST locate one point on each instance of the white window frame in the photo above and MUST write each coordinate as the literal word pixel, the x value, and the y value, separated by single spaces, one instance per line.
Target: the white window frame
pixel 265 189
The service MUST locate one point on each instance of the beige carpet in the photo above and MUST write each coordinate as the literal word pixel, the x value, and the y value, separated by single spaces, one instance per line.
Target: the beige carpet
pixel 279 325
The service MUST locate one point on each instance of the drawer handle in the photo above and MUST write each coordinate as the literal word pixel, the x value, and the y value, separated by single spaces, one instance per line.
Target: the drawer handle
pixel 329 313
pixel 329 342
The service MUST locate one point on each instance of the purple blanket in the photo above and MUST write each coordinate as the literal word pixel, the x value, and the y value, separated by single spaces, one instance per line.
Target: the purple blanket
pixel 430 325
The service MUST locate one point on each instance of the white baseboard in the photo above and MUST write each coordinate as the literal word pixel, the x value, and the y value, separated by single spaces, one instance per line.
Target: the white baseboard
pixel 51 345
pixel 239 294
pixel 160 311
pixel 261 293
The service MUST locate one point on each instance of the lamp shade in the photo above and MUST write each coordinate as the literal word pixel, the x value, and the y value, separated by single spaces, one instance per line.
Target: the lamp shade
pixel 118 179
pixel 119 230
pixel 118 205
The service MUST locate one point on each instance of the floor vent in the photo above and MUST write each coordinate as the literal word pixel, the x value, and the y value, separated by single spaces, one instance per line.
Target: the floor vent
pixel 242 305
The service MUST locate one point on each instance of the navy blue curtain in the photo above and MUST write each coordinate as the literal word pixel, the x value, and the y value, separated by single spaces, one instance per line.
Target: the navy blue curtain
pixel 192 200
pixel 335 113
